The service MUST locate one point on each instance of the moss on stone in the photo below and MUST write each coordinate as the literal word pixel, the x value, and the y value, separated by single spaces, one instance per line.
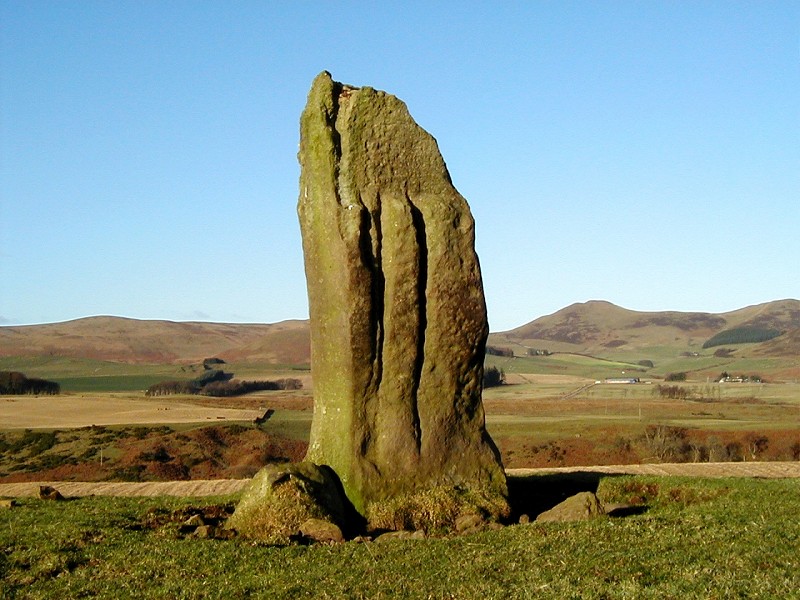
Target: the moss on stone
pixel 281 498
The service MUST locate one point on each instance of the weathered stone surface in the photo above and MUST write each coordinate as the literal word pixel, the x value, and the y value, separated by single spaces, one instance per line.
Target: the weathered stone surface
pixel 579 507
pixel 398 317
pixel 283 497
pixel 469 522
pixel 320 530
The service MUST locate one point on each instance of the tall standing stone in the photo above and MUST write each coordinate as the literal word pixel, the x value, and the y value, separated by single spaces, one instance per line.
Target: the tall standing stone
pixel 398 317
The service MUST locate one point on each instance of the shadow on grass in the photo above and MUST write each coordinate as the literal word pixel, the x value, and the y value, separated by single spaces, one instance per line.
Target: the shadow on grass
pixel 534 494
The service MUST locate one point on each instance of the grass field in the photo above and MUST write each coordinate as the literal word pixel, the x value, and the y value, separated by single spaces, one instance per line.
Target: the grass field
pixel 692 538
pixel 87 375
pixel 551 413
pixel 701 366
pixel 536 421
pixel 546 421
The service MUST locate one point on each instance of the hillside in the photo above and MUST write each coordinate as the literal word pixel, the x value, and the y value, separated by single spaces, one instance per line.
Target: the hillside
pixel 595 328
pixel 136 341
pixel 598 327
pixel 784 345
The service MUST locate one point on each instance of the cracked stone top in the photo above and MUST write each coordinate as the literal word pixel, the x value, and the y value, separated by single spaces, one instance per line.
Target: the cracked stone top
pixel 398 317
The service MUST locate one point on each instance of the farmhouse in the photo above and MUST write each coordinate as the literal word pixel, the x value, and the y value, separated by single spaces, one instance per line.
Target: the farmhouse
pixel 622 380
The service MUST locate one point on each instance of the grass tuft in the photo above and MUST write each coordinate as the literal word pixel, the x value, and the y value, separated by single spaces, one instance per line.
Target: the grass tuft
pixel 435 510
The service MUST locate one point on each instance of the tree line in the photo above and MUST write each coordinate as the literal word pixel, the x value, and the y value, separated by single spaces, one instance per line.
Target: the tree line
pixel 14 383
pixel 218 383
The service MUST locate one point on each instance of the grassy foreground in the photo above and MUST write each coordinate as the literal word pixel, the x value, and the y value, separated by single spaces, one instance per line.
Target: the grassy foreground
pixel 696 539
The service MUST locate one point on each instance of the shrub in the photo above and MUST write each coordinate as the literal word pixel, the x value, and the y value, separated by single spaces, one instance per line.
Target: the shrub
pixel 166 388
pixel 675 377
pixel 667 442
pixel 217 383
pixel 497 351
pixel 239 388
pixel 673 392
pixel 209 363
pixel 493 376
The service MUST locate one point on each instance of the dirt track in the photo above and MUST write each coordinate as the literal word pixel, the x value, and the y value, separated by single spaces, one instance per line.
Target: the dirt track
pixel 770 470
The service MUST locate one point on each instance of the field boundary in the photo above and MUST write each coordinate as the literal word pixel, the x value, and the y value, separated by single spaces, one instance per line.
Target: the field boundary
pixel 220 487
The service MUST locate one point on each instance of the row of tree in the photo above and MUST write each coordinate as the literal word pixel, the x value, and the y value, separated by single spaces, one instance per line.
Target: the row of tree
pixel 14 382
pixel 218 383
pixel 498 351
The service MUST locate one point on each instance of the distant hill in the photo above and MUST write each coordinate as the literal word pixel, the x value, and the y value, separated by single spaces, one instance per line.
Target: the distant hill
pixel 598 326
pixel 595 328
pixel 137 341
pixel 787 344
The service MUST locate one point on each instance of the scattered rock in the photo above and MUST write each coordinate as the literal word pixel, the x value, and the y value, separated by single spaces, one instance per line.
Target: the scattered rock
pixel 524 519
pixel 47 492
pixel 320 530
pixel 469 523
pixel 7 503
pixel 205 531
pixel 390 536
pixel 580 507
pixel 194 521
pixel 191 521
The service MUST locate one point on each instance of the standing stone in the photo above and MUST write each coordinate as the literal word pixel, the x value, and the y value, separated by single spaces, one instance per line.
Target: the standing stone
pixel 398 317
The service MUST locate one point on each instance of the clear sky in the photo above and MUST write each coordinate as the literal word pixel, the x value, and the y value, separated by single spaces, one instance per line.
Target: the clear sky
pixel 644 153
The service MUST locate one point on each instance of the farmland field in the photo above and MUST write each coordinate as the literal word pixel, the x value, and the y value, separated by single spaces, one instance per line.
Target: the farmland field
pixel 536 420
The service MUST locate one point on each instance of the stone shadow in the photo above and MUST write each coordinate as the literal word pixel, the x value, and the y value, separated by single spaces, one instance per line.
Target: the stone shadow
pixel 534 494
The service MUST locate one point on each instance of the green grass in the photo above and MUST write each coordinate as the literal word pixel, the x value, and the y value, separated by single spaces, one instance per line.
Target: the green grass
pixel 609 362
pixel 87 375
pixel 697 539
pixel 562 364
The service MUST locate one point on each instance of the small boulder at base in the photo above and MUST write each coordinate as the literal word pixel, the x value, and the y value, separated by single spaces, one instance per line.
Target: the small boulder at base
pixel 320 530
pixel 281 498
pixel 579 507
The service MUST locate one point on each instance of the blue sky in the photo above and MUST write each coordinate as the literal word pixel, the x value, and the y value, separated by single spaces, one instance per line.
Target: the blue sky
pixel 644 153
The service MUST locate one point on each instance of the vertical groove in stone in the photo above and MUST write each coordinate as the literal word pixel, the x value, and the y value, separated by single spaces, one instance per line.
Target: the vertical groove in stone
pixel 371 248
pixel 422 283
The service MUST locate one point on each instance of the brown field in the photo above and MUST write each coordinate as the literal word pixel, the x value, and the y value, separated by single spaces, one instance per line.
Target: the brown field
pixel 537 421
pixel 85 410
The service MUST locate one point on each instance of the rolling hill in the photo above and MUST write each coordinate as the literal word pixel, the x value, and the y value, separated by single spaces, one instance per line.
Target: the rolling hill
pixel 602 328
pixel 594 328
pixel 138 341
